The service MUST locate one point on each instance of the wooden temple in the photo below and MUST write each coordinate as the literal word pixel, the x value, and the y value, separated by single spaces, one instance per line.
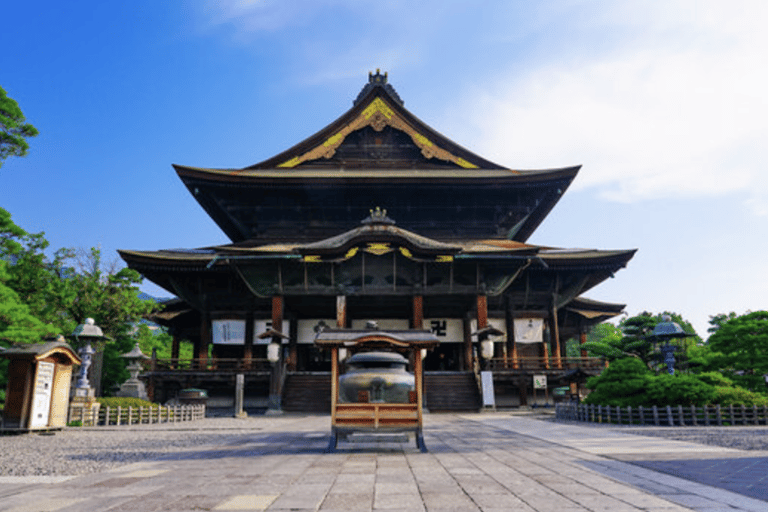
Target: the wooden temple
pixel 376 217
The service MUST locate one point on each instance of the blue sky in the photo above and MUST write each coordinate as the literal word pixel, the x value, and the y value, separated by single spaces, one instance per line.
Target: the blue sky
pixel 662 102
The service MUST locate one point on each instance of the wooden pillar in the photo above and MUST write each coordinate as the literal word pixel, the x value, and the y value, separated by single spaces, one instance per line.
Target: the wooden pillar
pixel 582 341
pixel 482 312
pixel 509 324
pixel 482 322
pixel 418 312
pixel 555 335
pixel 341 311
pixel 175 349
pixel 205 340
pixel 545 351
pixel 334 383
pixel 418 376
pixel 275 405
pixel 293 347
pixel 469 362
pixel 248 346
pixel 277 315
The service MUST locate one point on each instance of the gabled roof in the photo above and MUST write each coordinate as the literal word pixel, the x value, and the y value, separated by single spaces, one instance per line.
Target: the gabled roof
pixel 308 192
pixel 378 107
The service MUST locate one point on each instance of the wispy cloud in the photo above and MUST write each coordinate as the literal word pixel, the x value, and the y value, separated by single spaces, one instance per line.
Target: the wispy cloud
pixel 675 109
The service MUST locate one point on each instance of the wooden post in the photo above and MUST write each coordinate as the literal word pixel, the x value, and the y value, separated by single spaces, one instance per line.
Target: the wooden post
pixel 482 322
pixel 175 344
pixel 248 346
pixel 582 341
pixel 205 339
pixel 509 325
pixel 418 374
pixel 341 311
pixel 555 335
pixel 418 312
pixel 469 362
pixel 334 383
pixel 276 382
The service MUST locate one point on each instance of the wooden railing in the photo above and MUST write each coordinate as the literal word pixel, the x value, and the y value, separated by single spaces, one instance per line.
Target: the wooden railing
pixel 137 415
pixel 676 415
pixel 520 364
pixel 213 364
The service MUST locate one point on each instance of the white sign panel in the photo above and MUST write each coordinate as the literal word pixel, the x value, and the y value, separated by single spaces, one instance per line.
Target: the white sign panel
pixel 232 332
pixel 447 330
pixel 228 332
pixel 308 329
pixel 529 330
pixel 539 382
pixel 489 398
pixel 41 400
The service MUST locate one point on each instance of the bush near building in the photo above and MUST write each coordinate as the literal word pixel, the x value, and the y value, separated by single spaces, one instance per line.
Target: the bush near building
pixel 629 382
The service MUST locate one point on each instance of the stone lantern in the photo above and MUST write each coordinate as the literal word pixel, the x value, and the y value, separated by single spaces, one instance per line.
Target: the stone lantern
pixel 83 407
pixel 665 331
pixel 133 387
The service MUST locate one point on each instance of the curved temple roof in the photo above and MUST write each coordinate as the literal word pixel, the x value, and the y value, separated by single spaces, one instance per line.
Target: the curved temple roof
pixel 376 153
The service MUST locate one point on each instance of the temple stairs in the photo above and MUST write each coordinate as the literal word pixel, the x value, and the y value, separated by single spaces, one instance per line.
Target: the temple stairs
pixel 445 392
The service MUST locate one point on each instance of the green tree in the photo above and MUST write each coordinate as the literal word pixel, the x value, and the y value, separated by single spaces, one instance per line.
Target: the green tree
pixel 14 129
pixel 743 343
pixel 633 340
pixel 109 295
pixel 18 322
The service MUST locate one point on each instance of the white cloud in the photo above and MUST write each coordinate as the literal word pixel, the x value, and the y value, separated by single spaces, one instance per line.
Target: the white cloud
pixel 677 109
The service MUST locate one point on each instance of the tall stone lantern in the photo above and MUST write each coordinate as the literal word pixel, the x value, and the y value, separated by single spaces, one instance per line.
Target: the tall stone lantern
pixel 83 405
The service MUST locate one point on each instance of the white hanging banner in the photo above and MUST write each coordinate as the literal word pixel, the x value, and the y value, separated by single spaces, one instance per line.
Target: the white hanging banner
pixel 232 332
pixel 529 330
pixel 228 332
pixel 448 330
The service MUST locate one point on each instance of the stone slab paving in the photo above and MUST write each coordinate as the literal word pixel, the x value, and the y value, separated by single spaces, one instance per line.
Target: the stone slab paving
pixel 702 477
pixel 487 462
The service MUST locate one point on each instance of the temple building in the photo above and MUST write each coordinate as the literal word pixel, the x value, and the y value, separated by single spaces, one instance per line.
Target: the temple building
pixel 376 218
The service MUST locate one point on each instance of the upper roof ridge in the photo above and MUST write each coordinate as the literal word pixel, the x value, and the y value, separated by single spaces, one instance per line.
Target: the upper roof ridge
pixel 378 80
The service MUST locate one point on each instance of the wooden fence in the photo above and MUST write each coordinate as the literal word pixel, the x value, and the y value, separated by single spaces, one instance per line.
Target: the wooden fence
pixel 672 416
pixel 138 415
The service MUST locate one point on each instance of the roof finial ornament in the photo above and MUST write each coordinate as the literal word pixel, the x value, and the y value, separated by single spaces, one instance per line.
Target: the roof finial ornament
pixel 378 80
pixel 378 216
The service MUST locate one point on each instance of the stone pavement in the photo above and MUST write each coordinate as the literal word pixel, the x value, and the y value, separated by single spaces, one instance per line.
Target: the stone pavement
pixel 489 462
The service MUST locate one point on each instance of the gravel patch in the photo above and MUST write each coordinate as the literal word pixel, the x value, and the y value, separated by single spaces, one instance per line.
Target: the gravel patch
pixel 77 451
pixel 742 438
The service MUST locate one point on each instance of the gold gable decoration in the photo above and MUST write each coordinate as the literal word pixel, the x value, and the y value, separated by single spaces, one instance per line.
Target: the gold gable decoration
pixel 377 115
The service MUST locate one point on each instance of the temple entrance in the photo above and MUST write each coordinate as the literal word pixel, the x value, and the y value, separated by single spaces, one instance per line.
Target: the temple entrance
pixel 446 357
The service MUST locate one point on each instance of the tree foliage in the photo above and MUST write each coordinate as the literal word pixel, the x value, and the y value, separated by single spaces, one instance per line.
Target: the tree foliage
pixel 42 296
pixel 743 343
pixel 14 129
pixel 632 339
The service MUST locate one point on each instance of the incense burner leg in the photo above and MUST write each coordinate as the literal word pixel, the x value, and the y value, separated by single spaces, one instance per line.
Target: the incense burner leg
pixel 420 441
pixel 333 443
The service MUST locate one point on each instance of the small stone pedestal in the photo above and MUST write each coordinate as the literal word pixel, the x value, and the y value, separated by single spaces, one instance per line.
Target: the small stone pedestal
pixel 83 407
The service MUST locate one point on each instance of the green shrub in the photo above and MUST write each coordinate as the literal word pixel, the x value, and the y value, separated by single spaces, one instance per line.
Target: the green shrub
pixel 623 383
pixel 121 401
pixel 678 389
pixel 715 379
pixel 737 396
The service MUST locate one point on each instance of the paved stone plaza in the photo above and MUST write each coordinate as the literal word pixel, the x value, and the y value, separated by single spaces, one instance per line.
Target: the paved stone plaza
pixel 489 462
